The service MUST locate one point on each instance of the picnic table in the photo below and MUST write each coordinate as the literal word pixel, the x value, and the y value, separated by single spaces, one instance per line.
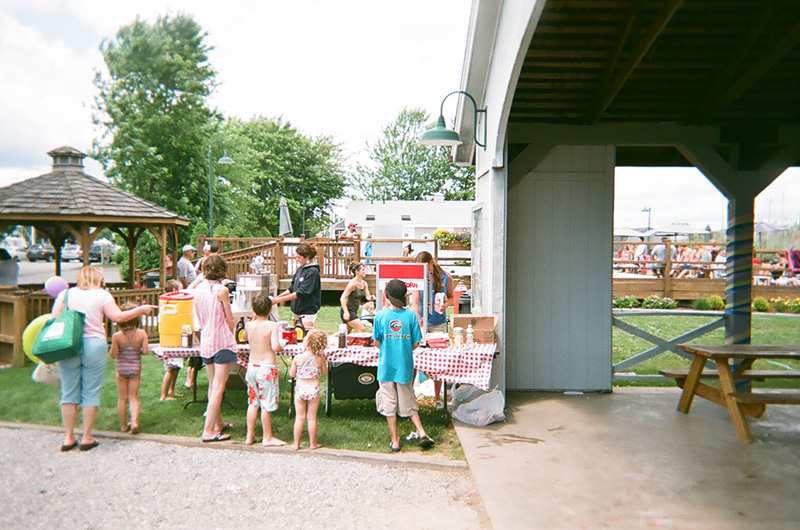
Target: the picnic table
pixel 734 364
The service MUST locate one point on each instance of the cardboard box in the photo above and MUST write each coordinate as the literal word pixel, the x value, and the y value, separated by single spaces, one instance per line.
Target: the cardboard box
pixel 482 326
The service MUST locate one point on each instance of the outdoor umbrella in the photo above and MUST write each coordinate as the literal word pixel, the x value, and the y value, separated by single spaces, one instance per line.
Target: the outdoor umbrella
pixel 761 227
pixel 675 229
pixel 627 232
pixel 285 221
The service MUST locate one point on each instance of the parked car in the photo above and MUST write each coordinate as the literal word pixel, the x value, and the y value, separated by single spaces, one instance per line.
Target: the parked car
pixel 95 253
pixel 43 251
pixel 71 252
pixel 15 246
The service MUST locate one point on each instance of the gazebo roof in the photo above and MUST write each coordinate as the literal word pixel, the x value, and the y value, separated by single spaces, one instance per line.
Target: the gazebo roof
pixel 69 203
pixel 68 194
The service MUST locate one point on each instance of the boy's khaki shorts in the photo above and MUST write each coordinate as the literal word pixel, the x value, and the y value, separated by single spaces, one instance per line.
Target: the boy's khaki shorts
pixel 394 399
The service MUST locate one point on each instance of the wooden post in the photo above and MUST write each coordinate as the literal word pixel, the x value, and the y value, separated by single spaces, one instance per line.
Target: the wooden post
pixel 668 269
pixel 279 260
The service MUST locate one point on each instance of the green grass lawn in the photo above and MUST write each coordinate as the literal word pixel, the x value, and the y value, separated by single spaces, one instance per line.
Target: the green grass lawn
pixel 767 329
pixel 353 424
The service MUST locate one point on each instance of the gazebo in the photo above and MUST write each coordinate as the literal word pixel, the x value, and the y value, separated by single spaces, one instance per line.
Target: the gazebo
pixel 68 202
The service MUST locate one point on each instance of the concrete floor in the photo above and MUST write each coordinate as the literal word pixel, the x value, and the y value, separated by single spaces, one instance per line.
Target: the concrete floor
pixel 630 460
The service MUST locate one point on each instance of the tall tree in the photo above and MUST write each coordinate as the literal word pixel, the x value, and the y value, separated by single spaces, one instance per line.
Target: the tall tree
pixel 152 114
pixel 274 160
pixel 403 169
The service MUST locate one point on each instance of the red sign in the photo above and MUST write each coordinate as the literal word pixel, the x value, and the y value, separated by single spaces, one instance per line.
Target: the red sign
pixel 412 274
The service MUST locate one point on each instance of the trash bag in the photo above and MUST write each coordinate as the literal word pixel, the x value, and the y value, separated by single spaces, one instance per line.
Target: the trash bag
pixel 483 410
pixel 465 393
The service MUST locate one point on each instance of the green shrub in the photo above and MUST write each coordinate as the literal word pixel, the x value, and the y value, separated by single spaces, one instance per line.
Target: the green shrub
pixel 625 302
pixel 780 305
pixel 656 302
pixel 716 302
pixel 760 304
pixel 701 304
pixel 794 305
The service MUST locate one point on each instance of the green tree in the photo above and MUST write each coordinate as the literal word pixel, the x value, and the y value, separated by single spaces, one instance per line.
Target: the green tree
pixel 152 114
pixel 403 169
pixel 274 160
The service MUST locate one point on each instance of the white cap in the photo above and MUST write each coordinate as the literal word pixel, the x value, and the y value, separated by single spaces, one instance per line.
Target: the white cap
pixel 187 248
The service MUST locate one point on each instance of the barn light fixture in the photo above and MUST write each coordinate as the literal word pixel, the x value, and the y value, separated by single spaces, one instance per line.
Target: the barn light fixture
pixel 441 135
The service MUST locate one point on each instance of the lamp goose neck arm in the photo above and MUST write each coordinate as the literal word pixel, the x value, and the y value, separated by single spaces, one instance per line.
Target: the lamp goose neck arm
pixel 440 135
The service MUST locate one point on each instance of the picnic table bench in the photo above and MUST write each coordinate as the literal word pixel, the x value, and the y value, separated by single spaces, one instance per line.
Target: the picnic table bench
pixel 734 362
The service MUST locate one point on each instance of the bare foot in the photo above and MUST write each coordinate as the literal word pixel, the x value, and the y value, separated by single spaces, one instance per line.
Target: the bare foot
pixel 296 447
pixel 134 429
pixel 125 428
pixel 272 442
pixel 168 398
pixel 174 395
pixel 315 446
pixel 249 441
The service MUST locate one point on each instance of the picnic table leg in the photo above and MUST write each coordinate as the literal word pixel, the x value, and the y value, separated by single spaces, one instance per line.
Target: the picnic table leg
pixel 195 363
pixel 727 386
pixel 690 385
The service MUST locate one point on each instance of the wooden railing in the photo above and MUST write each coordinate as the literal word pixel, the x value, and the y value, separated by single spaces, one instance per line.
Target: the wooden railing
pixel 334 256
pixel 703 278
pixel 19 307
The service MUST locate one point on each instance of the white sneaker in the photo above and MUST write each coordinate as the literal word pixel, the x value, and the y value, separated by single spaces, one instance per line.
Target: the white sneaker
pixel 412 436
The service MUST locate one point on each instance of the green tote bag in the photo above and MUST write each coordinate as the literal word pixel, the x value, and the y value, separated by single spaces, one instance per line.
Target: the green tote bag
pixel 61 337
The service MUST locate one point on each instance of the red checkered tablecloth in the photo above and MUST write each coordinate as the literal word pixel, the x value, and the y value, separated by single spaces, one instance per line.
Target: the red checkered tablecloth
pixel 470 364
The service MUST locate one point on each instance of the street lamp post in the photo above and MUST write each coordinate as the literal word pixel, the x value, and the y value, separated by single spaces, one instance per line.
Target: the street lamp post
pixel 647 209
pixel 306 204
pixel 226 160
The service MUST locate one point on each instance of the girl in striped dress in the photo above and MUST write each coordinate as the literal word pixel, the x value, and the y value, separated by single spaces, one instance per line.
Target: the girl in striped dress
pixel 127 347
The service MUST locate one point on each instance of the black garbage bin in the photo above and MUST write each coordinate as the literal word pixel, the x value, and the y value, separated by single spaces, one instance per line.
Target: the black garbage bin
pixel 465 303
pixel 350 381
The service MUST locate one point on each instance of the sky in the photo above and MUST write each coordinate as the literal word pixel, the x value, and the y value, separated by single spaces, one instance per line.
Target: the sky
pixel 344 68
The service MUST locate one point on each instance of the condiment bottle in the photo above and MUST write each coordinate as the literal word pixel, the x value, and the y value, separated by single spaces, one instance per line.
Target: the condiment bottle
pixel 458 337
pixel 470 335
pixel 186 336
pixel 300 330
pixel 342 335
pixel 239 331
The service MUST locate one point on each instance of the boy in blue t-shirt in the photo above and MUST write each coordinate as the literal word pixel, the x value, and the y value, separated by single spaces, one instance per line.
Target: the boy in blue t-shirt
pixel 396 332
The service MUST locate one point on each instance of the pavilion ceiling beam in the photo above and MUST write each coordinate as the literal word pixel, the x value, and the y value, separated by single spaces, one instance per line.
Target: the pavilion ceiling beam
pixel 621 40
pixel 640 50
pixel 749 77
pixel 704 111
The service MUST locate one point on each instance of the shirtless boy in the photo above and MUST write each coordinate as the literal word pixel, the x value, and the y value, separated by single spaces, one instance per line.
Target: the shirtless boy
pixel 262 371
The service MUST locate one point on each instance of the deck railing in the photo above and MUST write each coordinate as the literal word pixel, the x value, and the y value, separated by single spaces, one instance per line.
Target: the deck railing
pixel 334 256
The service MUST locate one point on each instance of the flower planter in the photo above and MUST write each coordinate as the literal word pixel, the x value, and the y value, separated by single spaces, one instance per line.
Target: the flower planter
pixel 456 245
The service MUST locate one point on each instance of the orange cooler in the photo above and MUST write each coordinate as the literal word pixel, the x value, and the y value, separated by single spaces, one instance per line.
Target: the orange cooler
pixel 175 310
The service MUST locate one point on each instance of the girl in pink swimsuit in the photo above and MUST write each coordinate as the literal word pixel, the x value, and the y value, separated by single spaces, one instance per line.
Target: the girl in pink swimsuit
pixel 306 369
pixel 127 347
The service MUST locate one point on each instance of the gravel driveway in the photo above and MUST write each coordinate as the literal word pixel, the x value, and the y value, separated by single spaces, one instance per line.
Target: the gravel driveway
pixel 133 483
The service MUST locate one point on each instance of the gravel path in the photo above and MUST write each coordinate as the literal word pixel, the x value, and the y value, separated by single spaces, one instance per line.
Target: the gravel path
pixel 133 483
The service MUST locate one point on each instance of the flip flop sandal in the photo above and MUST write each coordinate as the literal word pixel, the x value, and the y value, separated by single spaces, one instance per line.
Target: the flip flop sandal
pixel 227 427
pixel 89 446
pixel 135 430
pixel 218 438
pixel 395 449
pixel 425 442
pixel 69 447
